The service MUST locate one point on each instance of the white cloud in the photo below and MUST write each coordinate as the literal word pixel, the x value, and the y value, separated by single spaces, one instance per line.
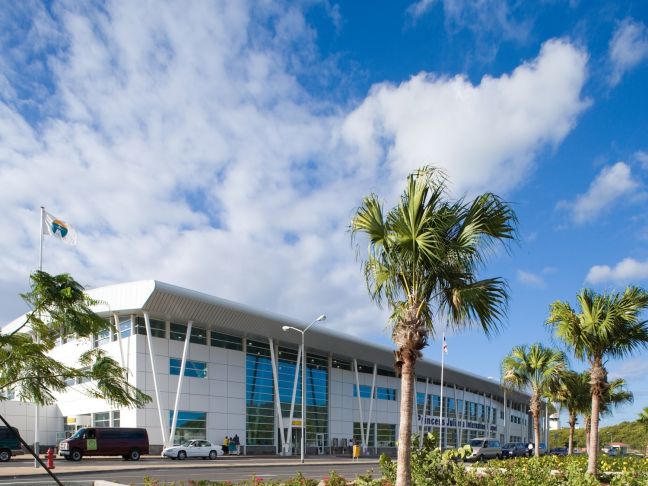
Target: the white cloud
pixel 628 47
pixel 182 146
pixel 419 8
pixel 531 279
pixel 629 369
pixel 486 135
pixel 610 185
pixel 641 156
pixel 627 271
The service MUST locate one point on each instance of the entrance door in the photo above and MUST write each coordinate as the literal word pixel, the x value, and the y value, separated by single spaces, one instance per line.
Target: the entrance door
pixel 320 443
pixel 295 443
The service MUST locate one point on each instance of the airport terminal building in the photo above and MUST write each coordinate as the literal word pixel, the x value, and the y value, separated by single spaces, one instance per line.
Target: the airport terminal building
pixel 215 368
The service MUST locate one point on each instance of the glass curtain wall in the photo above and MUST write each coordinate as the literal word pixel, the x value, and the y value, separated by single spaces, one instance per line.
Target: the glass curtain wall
pixel 259 395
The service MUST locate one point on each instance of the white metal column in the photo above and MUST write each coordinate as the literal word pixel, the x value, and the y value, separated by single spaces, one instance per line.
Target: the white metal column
pixel 119 339
pixel 357 380
pixel 292 401
pixel 183 366
pixel 155 385
pixel 425 400
pixel 275 380
pixel 457 438
pixel 371 403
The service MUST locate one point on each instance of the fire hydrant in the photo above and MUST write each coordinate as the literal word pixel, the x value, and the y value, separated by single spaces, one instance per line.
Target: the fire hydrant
pixel 50 458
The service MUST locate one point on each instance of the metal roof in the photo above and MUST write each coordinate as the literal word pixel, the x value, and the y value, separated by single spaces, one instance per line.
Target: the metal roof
pixel 165 301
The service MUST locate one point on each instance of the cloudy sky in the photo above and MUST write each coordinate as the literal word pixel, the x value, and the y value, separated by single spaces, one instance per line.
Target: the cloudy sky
pixel 223 146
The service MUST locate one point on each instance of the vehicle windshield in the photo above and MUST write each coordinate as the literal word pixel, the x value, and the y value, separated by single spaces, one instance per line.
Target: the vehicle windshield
pixel 509 445
pixel 476 443
pixel 186 444
pixel 79 433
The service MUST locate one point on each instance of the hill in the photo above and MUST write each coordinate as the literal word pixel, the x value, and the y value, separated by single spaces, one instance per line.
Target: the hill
pixel 631 433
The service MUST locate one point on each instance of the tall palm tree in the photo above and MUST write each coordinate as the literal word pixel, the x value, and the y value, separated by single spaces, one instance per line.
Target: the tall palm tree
pixel 607 326
pixel 643 420
pixel 422 262
pixel 572 392
pixel 536 369
pixel 614 396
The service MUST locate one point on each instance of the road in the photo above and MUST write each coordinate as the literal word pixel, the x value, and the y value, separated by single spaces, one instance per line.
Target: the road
pixel 197 470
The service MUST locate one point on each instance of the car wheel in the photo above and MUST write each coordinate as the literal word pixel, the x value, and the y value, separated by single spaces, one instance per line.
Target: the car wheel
pixel 213 455
pixel 75 455
pixel 5 455
pixel 134 455
pixel 182 455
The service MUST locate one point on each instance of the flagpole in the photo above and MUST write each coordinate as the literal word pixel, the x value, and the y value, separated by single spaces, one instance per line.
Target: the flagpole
pixel 441 407
pixel 40 269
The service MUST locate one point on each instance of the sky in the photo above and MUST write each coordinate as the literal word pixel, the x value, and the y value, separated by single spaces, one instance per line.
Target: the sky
pixel 224 146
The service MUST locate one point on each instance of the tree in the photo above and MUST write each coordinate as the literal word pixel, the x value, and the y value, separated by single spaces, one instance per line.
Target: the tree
pixel 422 261
pixel 536 369
pixel 607 326
pixel 572 392
pixel 643 420
pixel 60 308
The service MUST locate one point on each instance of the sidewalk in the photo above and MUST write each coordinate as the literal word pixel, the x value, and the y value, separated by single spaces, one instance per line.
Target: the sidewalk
pixel 22 466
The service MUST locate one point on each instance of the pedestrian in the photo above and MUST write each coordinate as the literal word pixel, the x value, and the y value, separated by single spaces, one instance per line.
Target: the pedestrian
pixel 225 446
pixel 232 446
pixel 236 439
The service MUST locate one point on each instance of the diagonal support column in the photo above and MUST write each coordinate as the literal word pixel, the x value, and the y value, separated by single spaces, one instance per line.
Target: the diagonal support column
pixel 371 404
pixel 147 322
pixel 357 382
pixel 425 401
pixel 275 380
pixel 292 401
pixel 183 366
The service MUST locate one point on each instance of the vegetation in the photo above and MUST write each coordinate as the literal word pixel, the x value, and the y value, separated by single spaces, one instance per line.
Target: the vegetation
pixel 536 369
pixel 643 421
pixel 422 261
pixel 572 392
pixel 631 433
pixel 606 326
pixel 60 308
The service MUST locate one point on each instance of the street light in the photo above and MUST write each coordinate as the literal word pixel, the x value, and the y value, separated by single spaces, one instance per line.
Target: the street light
pixel 303 371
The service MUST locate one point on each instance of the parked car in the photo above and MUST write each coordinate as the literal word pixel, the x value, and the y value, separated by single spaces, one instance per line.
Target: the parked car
pixel 9 444
pixel 514 449
pixel 531 446
pixel 109 441
pixel 558 451
pixel 194 448
pixel 484 448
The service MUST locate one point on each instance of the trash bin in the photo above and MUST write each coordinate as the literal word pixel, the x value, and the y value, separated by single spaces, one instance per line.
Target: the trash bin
pixel 356 451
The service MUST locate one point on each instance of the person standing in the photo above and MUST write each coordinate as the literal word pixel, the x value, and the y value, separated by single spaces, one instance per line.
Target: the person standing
pixel 225 446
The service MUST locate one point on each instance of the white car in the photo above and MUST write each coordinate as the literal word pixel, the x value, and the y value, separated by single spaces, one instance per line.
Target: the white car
pixel 194 448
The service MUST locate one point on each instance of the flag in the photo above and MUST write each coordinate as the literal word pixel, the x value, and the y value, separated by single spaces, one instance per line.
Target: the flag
pixel 58 228
pixel 445 345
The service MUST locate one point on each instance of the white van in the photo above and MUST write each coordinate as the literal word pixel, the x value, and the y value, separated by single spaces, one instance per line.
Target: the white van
pixel 484 448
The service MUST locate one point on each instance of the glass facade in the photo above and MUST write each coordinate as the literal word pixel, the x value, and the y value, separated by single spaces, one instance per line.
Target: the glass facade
pixel 190 425
pixel 158 328
pixel 101 419
pixel 193 369
pixel 220 340
pixel 260 410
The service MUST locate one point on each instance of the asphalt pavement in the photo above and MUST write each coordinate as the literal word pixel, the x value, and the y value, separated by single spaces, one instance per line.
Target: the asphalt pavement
pixel 21 471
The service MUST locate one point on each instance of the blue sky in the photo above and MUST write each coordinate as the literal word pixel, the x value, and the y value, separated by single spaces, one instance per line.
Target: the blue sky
pixel 224 146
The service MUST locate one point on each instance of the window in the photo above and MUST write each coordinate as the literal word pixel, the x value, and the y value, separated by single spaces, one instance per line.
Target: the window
pixel 125 327
pixel 178 332
pixel 385 372
pixel 220 340
pixel 70 381
pixel 198 335
pixel 116 418
pixel 158 328
pixel 385 393
pixel 259 394
pixel 101 419
pixel 365 368
pixel 193 369
pixel 386 435
pixel 341 364
pixel 365 391
pixel 102 338
pixel 190 425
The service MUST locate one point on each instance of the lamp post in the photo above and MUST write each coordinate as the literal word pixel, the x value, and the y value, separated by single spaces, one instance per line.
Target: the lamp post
pixel 303 371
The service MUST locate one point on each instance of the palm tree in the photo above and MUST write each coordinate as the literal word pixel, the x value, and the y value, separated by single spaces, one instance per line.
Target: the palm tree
pixel 422 262
pixel 614 396
pixel 572 392
pixel 536 369
pixel 607 326
pixel 643 420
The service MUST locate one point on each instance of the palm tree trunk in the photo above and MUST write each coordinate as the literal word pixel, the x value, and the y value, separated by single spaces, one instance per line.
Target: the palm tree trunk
pixel 598 379
pixel 403 473
pixel 535 411
pixel 572 427
pixel 588 428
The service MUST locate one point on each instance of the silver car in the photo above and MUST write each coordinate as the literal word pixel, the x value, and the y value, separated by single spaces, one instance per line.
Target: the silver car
pixel 484 448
